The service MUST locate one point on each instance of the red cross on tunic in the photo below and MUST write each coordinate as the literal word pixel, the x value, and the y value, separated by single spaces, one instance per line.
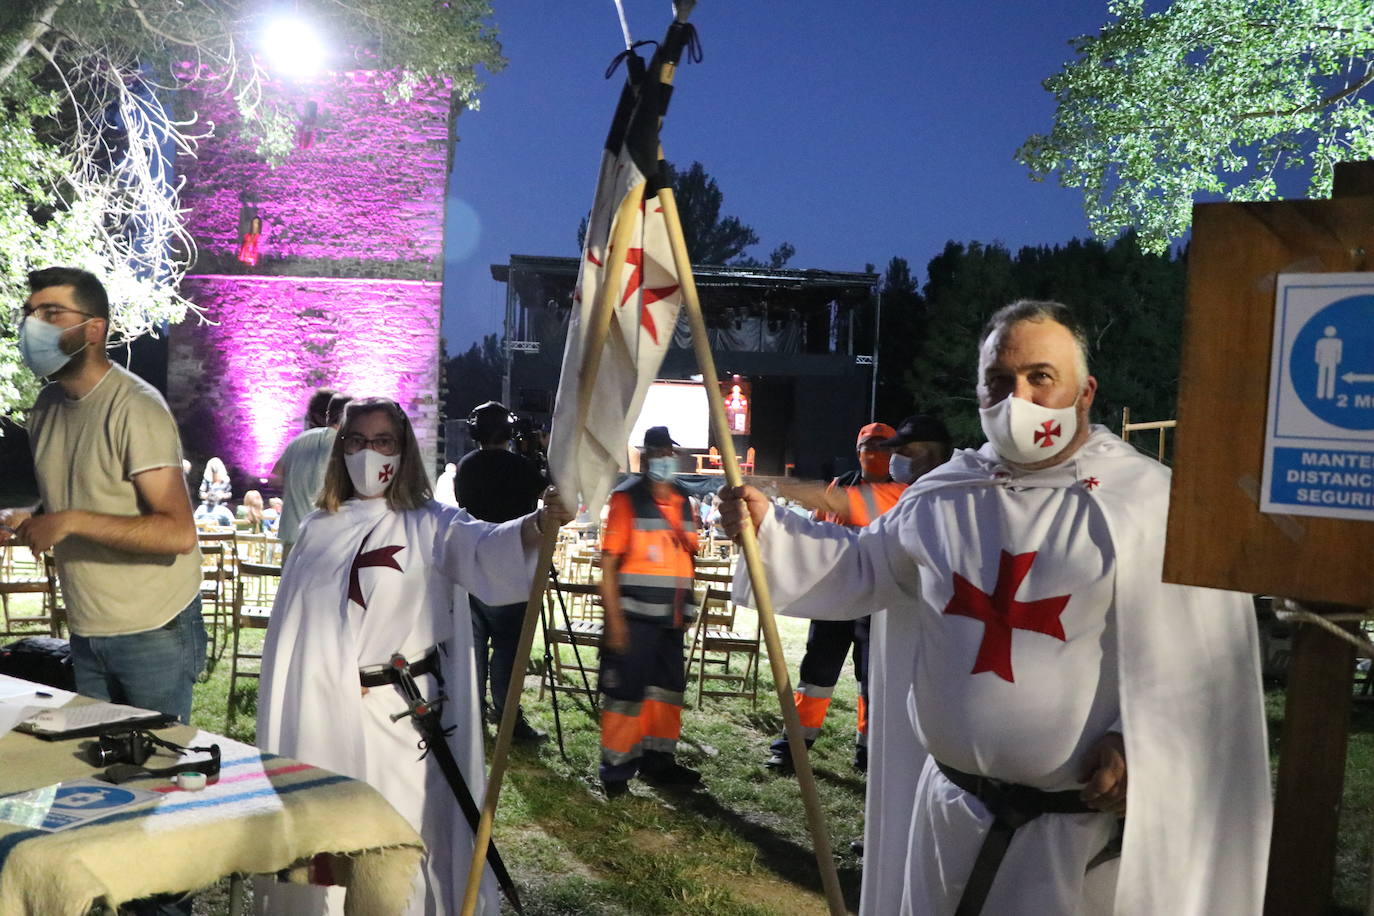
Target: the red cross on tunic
pixel 1045 435
pixel 1001 613
pixel 382 556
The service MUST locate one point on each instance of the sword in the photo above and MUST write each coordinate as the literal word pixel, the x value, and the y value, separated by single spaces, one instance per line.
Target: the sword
pixel 426 716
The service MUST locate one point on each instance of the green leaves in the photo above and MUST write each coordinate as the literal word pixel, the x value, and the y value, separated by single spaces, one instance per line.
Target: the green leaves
pixel 1207 97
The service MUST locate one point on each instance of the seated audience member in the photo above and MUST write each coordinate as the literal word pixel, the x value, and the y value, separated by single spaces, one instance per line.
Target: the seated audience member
pixel 209 515
pixel 252 511
pixel 271 515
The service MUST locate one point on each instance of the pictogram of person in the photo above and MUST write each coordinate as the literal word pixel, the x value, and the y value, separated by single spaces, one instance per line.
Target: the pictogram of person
pixel 1328 357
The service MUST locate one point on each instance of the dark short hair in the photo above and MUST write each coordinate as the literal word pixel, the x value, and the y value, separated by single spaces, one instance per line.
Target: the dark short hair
pixel 87 289
pixel 334 415
pixel 317 411
pixel 1040 310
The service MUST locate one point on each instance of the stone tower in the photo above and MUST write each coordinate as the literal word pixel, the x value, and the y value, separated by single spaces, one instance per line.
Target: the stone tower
pixel 324 271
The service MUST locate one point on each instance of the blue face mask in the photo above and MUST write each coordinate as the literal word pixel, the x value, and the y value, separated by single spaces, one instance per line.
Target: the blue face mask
pixel 661 469
pixel 40 347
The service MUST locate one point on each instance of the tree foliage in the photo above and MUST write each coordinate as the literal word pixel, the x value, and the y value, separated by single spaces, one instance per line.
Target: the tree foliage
pixel 86 140
pixel 474 377
pixel 902 328
pixel 1207 96
pixel 712 238
pixel 1130 301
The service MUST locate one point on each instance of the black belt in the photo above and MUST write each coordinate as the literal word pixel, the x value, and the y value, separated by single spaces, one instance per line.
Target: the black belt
pixel 380 677
pixel 1012 806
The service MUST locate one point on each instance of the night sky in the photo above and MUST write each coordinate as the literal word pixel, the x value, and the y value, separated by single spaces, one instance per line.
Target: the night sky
pixel 856 130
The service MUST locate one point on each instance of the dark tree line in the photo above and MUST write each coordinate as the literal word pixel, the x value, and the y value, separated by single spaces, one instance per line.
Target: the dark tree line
pixel 473 377
pixel 1130 301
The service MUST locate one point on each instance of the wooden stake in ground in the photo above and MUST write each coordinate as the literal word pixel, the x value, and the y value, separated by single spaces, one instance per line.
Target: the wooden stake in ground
pixel 801 760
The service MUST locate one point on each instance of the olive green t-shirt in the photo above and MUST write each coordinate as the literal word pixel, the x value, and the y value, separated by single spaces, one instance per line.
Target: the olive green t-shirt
pixel 86 453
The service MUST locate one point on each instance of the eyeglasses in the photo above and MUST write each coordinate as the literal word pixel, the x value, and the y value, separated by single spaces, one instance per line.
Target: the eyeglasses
pixel 384 444
pixel 47 313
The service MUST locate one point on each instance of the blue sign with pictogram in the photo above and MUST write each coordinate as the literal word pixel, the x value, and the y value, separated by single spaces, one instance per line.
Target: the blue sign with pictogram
pixel 1319 432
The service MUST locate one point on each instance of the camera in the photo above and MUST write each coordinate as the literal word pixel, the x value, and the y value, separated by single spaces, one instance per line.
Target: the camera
pixel 122 747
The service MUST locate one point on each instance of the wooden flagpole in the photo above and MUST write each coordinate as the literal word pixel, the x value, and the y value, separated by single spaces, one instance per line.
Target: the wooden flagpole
pixel 801 760
pixel 595 343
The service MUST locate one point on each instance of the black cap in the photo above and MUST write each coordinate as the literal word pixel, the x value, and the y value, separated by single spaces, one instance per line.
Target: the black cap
pixel 918 428
pixel 657 437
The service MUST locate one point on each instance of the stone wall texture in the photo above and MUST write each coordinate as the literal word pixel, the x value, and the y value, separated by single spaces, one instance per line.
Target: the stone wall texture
pixel 346 293
pixel 239 385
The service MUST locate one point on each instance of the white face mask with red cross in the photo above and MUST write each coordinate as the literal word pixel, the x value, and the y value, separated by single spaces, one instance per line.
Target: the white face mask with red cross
pixel 1023 432
pixel 371 471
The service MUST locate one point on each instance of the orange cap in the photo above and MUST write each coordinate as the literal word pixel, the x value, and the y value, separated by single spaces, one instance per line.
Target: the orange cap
pixel 875 431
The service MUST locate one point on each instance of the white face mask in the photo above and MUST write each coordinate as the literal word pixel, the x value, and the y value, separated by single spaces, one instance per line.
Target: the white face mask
pixel 902 469
pixel 661 469
pixel 371 472
pixel 41 348
pixel 1023 432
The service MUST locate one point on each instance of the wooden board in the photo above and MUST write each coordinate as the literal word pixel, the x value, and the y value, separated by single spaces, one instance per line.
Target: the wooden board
pixel 1217 536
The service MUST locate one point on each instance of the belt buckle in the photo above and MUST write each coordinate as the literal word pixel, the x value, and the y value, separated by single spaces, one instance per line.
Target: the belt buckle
pixel 373 670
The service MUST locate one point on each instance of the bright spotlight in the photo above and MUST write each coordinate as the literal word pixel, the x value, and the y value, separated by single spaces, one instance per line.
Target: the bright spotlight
pixel 292 47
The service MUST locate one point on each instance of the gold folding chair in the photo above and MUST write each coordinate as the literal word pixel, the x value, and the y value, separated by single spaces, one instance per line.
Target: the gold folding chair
pixel 29 576
pixel 254 590
pixel 717 639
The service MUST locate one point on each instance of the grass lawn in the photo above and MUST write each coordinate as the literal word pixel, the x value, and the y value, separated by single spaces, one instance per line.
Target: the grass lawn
pixel 739 847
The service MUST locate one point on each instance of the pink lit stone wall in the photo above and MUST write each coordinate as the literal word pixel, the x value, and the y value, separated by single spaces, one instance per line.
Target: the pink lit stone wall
pixel 240 386
pixel 346 293
pixel 369 189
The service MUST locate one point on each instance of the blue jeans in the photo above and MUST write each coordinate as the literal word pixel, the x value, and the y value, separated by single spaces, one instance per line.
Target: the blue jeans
pixel 497 627
pixel 154 669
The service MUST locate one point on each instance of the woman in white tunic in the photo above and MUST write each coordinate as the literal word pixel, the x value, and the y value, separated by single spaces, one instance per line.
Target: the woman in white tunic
pixel 373 573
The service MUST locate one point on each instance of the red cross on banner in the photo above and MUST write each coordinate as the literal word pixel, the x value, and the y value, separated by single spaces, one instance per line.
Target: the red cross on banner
pixel 1046 434
pixel 1001 613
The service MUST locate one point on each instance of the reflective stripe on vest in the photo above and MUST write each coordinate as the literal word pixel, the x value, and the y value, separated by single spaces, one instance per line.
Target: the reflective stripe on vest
pixel 656 581
pixel 870 508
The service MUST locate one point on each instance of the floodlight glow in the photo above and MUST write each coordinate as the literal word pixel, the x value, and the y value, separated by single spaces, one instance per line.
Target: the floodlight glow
pixel 292 47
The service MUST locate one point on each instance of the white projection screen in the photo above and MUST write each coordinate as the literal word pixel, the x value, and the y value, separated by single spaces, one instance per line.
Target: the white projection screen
pixel 680 406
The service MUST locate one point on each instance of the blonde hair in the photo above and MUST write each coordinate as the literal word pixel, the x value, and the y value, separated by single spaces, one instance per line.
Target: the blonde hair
pixel 212 467
pixel 252 503
pixel 410 487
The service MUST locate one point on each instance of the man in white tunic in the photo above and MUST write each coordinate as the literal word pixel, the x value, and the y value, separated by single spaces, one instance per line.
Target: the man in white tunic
pixel 373 574
pixel 1028 652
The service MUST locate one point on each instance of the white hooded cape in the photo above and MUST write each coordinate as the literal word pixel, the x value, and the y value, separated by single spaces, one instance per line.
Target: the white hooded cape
pixel 1199 809
pixel 310 704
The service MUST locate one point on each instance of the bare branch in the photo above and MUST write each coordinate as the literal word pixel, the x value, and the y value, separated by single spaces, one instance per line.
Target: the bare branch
pixel 36 30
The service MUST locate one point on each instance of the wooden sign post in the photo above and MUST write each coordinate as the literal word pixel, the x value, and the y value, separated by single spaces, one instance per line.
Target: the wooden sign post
pixel 1218 536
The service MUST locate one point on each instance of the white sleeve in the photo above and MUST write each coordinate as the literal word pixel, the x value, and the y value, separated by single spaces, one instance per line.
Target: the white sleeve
pixel 487 559
pixel 827 571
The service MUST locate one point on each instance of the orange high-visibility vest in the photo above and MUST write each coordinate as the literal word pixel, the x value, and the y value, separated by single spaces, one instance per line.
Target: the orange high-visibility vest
pixel 656 573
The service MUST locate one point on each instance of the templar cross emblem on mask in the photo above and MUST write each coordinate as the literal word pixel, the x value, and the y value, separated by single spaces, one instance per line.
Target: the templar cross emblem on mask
pixel 1045 435
pixel 385 473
